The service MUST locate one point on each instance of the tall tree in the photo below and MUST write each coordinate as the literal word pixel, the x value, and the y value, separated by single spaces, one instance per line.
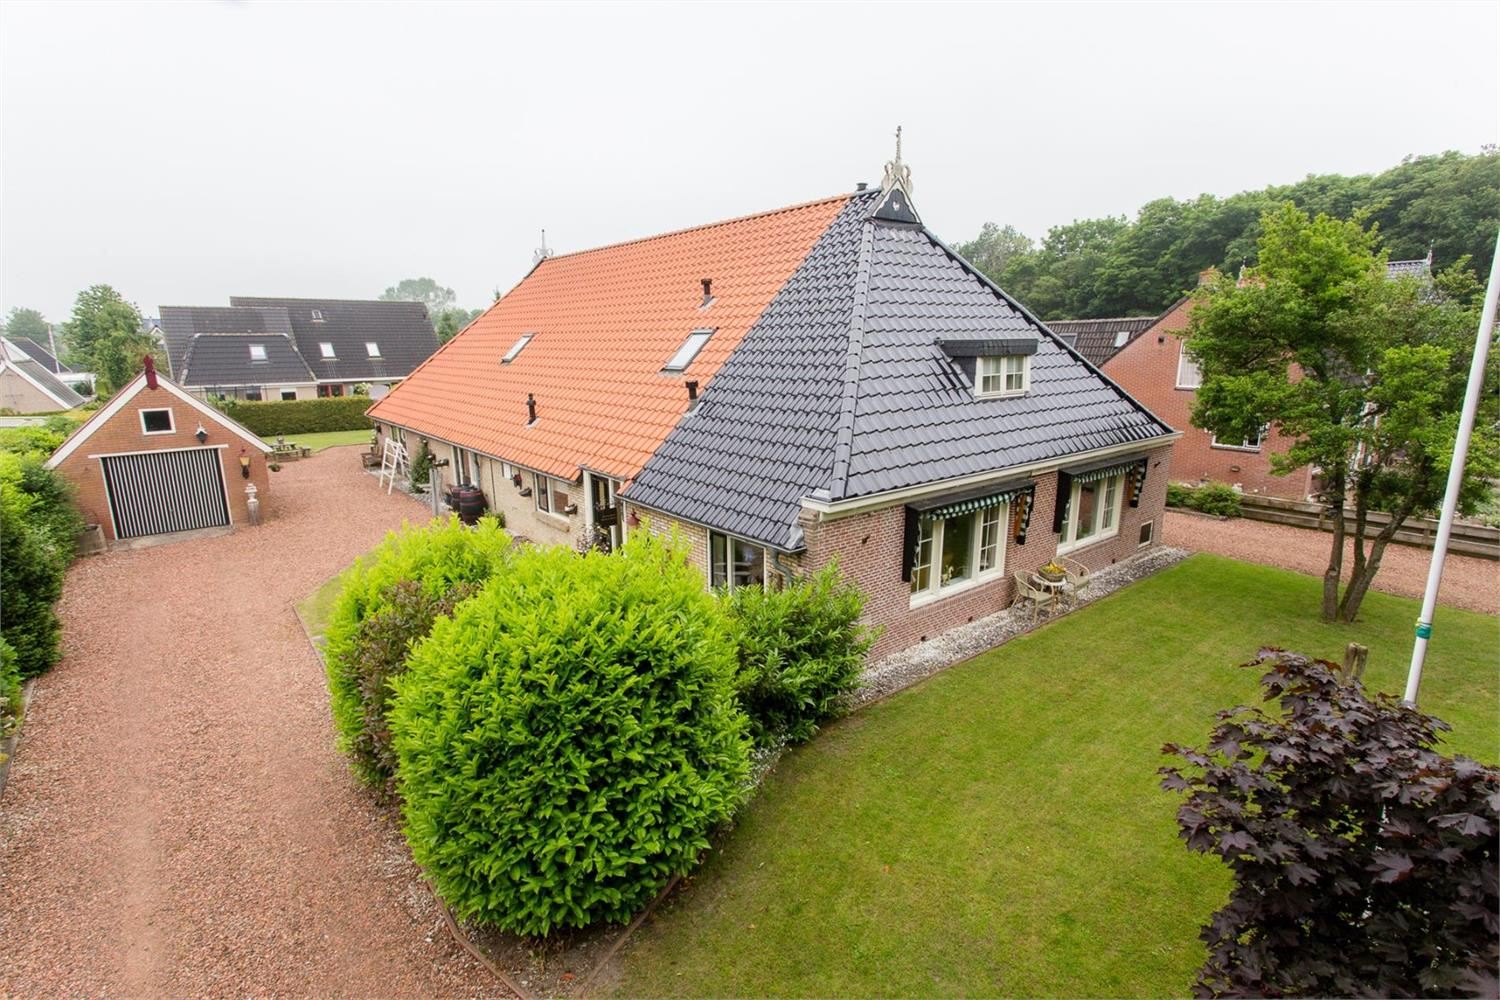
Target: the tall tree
pixel 994 247
pixel 104 336
pixel 424 290
pixel 448 322
pixel 22 322
pixel 1363 374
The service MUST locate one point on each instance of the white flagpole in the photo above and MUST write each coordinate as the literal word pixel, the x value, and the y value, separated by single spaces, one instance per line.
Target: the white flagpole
pixel 1455 478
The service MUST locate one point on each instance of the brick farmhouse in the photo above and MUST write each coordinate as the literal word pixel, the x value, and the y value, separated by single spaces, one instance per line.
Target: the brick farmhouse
pixel 823 382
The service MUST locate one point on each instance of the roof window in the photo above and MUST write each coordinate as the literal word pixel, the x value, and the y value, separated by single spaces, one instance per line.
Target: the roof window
pixel 257 352
pixel 325 349
pixel 372 349
pixel 515 348
pixel 1121 337
pixel 317 315
pixel 688 351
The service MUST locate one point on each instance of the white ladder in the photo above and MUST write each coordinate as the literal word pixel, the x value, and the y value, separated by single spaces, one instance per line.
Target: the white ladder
pixel 392 464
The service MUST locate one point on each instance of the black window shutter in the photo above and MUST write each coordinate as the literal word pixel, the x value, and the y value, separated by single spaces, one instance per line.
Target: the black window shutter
pixel 909 545
pixel 1060 511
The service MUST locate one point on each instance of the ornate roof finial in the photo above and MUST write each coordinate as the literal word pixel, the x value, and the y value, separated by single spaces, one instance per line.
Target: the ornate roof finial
pixel 542 252
pixel 896 172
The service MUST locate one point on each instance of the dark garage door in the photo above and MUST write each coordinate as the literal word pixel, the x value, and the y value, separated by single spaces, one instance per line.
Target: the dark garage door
pixel 161 491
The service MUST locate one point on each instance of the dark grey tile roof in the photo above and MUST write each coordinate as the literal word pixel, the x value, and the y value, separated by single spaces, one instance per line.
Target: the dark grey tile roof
pixel 180 324
pixel 223 359
pixel 39 354
pixel 842 390
pixel 402 329
pixel 1095 338
pixel 65 396
pixel 1409 268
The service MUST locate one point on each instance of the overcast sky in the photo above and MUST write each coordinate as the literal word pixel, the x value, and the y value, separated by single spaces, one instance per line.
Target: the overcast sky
pixel 185 152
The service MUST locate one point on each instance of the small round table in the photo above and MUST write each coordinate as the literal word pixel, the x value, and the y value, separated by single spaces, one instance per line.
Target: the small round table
pixel 1057 588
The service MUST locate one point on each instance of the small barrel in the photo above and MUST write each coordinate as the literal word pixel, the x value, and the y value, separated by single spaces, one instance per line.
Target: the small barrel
pixel 471 505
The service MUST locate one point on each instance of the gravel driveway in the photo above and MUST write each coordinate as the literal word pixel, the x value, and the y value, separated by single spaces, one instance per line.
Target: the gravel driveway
pixel 1468 582
pixel 177 821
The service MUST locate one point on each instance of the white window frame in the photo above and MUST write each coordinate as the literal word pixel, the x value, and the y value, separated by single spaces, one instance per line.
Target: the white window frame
pixel 288 398
pixel 1105 510
pixel 933 529
pixel 1121 336
pixel 1000 368
pixel 730 541
pixel 257 353
pixel 1147 534
pixel 171 419
pixel 688 352
pixel 542 485
pixel 516 348
pixel 325 351
pixel 1260 439
pixel 372 349
pixel 317 315
pixel 1182 358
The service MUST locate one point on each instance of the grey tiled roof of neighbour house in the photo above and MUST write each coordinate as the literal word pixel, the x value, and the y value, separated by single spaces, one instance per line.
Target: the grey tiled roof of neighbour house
pixel 402 330
pixel 40 354
pixel 180 324
pixel 842 389
pixel 1409 268
pixel 1099 339
pixel 224 359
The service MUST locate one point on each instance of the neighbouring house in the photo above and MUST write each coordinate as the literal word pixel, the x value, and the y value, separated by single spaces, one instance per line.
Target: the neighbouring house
pixel 29 384
pixel 156 459
pixel 1153 366
pixel 824 382
pixel 1098 339
pixel 282 349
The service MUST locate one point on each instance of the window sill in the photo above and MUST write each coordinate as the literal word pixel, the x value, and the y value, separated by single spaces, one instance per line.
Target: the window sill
pixel 1088 543
pixel 557 520
pixel 1002 395
pixel 922 600
pixel 1235 447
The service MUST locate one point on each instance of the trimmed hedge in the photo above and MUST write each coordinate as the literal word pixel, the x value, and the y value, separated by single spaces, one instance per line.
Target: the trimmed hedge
pixel 1219 499
pixel 39 525
pixel 10 691
pixel 569 737
pixel 801 650
pixel 437 557
pixel 300 416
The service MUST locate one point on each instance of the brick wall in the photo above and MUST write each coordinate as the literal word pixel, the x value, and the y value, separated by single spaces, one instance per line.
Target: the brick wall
pixel 694 536
pixel 869 548
pixel 122 433
pixel 1147 369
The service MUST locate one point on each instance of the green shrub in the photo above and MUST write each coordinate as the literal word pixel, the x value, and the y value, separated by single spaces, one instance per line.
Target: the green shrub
pixel 30 439
pixel 569 738
pixel 1179 495
pixel 31 579
pixel 438 557
pixel 801 650
pixel 1219 499
pixel 10 691
pixel 301 416
pixel 420 469
pixel 381 643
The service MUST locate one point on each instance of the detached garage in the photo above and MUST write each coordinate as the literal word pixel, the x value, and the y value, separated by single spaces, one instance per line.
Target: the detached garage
pixel 157 460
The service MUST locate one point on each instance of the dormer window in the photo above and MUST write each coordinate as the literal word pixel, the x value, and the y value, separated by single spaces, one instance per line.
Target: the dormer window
pixel 688 351
pixel 515 348
pixel 325 349
pixel 1002 375
pixel 257 352
pixel 372 349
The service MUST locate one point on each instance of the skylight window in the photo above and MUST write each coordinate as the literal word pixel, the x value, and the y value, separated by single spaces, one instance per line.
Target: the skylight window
pixel 317 315
pixel 326 349
pixel 372 349
pixel 1121 337
pixel 515 348
pixel 257 352
pixel 688 351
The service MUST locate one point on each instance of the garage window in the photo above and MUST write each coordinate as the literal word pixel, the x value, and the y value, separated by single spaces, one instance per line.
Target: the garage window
pixel 156 421
pixel 287 394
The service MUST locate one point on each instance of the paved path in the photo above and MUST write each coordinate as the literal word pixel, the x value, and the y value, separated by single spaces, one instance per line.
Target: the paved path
pixel 177 821
pixel 1468 582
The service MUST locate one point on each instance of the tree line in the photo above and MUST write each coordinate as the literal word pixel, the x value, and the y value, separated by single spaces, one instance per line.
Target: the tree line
pixel 1448 204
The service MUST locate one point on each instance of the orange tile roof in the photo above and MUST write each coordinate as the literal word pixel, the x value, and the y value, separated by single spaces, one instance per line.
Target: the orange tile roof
pixel 606 321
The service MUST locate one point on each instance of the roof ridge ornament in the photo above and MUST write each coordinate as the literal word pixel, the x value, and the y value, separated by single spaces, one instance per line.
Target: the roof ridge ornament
pixel 542 252
pixel 895 191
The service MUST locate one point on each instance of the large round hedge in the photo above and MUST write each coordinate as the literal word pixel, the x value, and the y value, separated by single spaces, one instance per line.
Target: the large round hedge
pixel 569 738
pixel 373 611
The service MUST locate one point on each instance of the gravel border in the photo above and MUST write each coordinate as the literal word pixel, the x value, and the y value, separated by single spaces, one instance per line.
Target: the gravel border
pixel 901 670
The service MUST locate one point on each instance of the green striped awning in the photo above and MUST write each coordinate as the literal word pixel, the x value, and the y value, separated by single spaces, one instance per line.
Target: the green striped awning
pixel 968 501
pixel 1104 472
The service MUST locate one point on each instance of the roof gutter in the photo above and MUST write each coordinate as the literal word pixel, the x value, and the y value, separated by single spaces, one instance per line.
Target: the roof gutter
pixel 833 509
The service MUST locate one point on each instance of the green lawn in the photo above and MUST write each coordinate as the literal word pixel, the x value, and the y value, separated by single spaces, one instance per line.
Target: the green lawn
pixel 999 830
pixel 323 439
pixel 316 608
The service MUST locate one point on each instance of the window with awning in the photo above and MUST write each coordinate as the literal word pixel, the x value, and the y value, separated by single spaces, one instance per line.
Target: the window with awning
pixel 959 538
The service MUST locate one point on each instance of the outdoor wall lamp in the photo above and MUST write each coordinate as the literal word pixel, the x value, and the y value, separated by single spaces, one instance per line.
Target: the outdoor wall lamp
pixel 201 435
pixel 244 464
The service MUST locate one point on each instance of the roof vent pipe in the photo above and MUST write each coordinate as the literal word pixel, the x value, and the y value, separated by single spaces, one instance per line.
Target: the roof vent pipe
pixel 862 186
pixel 530 409
pixel 692 388
pixel 708 294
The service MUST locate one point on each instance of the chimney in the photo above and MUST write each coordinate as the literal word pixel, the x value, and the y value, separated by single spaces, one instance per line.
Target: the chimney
pixel 150 364
pixel 530 409
pixel 708 293
pixel 862 186
pixel 692 388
